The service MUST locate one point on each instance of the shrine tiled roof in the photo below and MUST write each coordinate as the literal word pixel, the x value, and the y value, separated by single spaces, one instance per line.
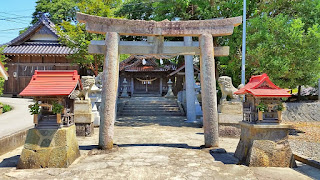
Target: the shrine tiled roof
pixel 38 48
pixel 136 64
pixel 262 86
pixel 44 21
pixel 24 44
pixel 52 83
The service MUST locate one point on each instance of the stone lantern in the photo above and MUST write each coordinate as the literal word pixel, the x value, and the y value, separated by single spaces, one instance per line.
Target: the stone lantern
pixel 169 93
pixel 95 96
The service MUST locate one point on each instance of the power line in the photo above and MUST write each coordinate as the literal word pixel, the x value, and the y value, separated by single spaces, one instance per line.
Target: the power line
pixel 21 10
pixel 10 18
pixel 2 30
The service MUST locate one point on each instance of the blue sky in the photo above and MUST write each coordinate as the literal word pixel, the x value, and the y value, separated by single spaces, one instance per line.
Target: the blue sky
pixel 15 15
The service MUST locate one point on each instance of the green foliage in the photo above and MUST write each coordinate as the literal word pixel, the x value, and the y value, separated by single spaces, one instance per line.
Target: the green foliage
pixel 78 39
pixel 57 108
pixel 34 109
pixel 6 108
pixel 262 107
pixel 73 34
pixel 2 58
pixel 59 10
pixel 282 36
pixel 281 48
pixel 279 107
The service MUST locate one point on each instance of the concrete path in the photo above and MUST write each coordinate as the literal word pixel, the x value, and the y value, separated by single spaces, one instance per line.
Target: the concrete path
pixel 17 119
pixel 153 148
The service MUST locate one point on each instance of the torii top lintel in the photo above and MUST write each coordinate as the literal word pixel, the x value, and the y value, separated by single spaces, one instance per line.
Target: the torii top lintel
pixel 216 27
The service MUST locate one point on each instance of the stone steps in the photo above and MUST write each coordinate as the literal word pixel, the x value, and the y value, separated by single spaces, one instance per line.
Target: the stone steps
pixel 151 114
pixel 150 106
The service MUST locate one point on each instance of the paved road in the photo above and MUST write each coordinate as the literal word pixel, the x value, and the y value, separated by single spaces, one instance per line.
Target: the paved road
pixel 154 148
pixel 17 119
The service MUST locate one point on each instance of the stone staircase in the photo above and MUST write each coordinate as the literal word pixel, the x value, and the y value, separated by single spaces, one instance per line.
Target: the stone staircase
pixel 150 106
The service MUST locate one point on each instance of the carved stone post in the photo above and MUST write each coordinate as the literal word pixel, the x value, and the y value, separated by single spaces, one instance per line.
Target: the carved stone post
pixel 109 91
pixel 189 79
pixel 208 91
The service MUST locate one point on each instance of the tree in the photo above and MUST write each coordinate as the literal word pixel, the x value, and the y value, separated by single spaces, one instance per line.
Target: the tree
pixel 281 38
pixel 282 48
pixel 2 58
pixel 59 10
pixel 73 34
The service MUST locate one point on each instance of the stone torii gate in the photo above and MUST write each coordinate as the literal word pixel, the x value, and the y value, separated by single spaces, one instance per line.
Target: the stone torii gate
pixel 112 47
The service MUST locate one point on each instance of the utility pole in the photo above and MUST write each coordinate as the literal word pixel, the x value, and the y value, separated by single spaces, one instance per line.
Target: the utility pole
pixel 243 64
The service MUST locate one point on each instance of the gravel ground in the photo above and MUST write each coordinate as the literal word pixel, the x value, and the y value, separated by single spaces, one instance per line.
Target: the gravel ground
pixel 305 140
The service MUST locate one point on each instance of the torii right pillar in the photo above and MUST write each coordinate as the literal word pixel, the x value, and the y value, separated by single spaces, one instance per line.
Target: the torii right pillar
pixel 208 91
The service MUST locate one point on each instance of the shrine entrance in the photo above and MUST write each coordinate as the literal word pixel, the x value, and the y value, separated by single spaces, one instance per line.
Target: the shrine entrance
pixel 146 85
pixel 156 45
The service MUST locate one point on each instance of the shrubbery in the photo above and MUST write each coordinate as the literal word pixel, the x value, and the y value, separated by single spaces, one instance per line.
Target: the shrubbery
pixel 5 107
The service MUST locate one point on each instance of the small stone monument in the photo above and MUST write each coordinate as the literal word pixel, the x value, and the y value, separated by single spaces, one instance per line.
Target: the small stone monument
pixel 198 106
pixel 125 88
pixel 83 116
pixel 95 97
pixel 263 141
pixel 169 93
pixel 52 143
pixel 181 97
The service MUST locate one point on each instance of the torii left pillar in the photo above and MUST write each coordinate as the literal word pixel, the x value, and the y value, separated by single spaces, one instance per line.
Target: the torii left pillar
pixel 109 90
pixel 208 91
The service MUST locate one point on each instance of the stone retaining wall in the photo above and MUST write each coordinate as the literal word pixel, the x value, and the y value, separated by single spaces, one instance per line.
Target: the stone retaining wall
pixel 301 111
pixel 12 141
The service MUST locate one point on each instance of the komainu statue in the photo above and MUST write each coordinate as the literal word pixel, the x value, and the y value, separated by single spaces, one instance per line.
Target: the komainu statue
pixel 228 89
pixel 87 83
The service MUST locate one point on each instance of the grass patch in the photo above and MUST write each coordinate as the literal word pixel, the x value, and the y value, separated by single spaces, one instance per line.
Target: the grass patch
pixel 5 108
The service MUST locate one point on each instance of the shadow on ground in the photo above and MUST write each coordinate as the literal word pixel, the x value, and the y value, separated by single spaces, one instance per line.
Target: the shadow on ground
pixel 10 162
pixel 225 158
pixel 308 171
pixel 139 121
pixel 185 146
pixel 88 147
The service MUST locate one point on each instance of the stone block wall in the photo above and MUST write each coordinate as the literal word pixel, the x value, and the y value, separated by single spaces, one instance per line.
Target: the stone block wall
pixel 49 148
pixel 301 111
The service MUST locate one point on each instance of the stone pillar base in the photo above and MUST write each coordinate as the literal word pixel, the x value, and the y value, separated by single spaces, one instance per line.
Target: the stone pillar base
pixel 265 145
pixel 83 117
pixel 49 148
pixel 84 129
pixel 230 107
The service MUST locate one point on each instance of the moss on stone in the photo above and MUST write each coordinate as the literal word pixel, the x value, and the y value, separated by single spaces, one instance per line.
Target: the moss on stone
pixel 59 148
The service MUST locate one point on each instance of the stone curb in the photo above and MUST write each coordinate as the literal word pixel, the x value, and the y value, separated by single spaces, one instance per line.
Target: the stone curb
pixel 11 142
pixel 307 161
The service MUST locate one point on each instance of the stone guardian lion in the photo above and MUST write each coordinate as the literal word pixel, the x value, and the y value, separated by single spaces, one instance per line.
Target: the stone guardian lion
pixel 228 89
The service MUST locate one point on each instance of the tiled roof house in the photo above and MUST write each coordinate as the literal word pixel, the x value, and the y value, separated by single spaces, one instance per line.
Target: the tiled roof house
pixel 38 48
